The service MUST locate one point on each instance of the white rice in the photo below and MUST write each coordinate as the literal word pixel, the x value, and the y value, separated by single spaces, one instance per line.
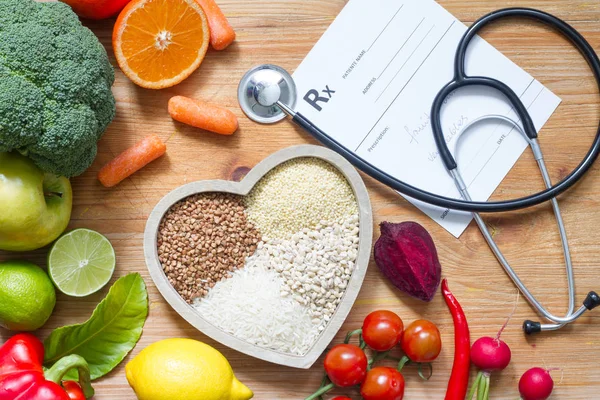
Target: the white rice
pixel 250 307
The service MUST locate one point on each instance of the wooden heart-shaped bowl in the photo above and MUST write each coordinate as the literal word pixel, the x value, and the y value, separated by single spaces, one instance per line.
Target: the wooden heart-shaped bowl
pixel 242 188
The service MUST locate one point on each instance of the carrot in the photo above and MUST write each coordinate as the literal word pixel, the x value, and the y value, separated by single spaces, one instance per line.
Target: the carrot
pixel 221 33
pixel 131 160
pixel 203 115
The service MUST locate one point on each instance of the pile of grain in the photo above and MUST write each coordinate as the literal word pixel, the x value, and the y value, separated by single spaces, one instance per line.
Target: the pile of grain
pixel 202 239
pixel 294 276
pixel 299 194
pixel 249 306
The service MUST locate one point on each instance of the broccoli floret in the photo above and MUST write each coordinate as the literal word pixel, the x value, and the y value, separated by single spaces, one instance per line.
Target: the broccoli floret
pixel 55 86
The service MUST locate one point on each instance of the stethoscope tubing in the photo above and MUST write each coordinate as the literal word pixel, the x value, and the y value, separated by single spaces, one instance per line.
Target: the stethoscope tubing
pixel 461 80
pixel 570 316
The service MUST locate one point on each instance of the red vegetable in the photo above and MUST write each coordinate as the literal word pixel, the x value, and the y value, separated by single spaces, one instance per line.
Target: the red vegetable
pixel 96 9
pixel 406 255
pixel 73 390
pixel 488 354
pixel 459 379
pixel 382 330
pixel 341 398
pixel 22 376
pixel 536 384
pixel 346 365
pixel 383 383
pixel 421 341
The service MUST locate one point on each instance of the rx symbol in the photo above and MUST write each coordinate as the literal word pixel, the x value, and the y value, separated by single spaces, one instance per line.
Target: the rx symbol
pixel 313 97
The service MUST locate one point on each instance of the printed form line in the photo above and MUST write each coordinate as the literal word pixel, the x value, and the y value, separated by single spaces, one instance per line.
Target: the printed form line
pixel 450 187
pixel 388 24
pixel 398 52
pixel 510 109
pixel 405 62
pixel 404 87
pixel 509 132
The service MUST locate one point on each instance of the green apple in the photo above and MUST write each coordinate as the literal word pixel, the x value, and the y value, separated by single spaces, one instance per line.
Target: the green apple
pixel 35 207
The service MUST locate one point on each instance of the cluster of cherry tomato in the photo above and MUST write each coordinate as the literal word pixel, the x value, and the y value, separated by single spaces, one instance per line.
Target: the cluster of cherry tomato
pixel 347 365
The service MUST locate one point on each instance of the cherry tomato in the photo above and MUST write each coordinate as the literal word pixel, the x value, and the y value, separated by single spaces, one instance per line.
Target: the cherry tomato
pixel 346 365
pixel 73 390
pixel 382 330
pixel 383 383
pixel 421 341
pixel 341 398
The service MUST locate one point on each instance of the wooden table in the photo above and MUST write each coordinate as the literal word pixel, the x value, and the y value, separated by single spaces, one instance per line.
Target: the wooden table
pixel 282 32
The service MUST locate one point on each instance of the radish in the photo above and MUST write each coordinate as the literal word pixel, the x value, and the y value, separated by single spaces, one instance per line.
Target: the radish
pixel 536 384
pixel 489 355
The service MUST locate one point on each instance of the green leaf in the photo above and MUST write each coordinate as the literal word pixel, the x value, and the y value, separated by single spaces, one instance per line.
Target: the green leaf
pixel 111 332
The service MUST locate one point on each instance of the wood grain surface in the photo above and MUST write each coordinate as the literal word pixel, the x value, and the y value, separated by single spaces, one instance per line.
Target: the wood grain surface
pixel 282 32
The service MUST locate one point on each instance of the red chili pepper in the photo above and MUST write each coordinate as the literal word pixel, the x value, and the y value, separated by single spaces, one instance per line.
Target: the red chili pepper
pixel 459 379
pixel 22 376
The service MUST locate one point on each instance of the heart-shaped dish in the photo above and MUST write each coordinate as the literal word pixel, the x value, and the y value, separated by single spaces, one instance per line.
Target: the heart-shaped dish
pixel 243 188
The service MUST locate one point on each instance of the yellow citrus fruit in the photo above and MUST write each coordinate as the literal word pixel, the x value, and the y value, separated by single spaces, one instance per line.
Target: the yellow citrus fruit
pixel 159 43
pixel 183 369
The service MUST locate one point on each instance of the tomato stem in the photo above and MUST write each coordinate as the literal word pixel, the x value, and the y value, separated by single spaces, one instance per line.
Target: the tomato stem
pixel 363 344
pixel 377 357
pixel 324 382
pixel 350 334
pixel 403 361
pixel 320 392
pixel 420 370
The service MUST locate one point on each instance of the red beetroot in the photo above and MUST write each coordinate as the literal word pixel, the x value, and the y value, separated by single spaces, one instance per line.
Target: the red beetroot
pixel 406 255
pixel 536 384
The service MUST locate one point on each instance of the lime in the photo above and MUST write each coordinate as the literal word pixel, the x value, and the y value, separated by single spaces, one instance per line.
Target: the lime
pixel 81 262
pixel 27 296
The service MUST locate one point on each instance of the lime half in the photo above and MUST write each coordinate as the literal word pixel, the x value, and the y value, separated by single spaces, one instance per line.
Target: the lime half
pixel 81 262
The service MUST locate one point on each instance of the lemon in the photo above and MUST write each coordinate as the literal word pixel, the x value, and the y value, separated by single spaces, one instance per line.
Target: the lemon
pixel 183 369
pixel 27 296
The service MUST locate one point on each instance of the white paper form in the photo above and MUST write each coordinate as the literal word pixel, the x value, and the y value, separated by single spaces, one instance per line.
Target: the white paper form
pixel 370 82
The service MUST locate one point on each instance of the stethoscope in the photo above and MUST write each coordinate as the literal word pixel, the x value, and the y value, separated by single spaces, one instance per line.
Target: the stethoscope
pixel 267 94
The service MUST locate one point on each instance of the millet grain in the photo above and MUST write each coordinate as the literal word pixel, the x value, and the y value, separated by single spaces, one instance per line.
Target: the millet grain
pixel 202 239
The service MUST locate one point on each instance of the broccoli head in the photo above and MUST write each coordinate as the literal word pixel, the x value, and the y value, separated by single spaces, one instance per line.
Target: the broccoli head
pixel 55 86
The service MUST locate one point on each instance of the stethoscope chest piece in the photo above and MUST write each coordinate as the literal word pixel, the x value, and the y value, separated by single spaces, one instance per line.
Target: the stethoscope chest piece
pixel 261 88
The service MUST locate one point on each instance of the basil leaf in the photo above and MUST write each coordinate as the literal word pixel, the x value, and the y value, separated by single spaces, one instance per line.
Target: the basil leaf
pixel 111 332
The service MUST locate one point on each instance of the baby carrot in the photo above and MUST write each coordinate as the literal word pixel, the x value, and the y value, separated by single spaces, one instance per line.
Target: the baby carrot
pixel 221 33
pixel 131 160
pixel 203 115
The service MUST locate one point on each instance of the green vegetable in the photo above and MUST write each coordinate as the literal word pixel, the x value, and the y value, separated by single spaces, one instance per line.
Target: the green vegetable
pixel 112 331
pixel 55 86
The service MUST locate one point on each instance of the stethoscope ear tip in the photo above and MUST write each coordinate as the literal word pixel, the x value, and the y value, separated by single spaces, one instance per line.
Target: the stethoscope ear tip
pixel 592 300
pixel 531 327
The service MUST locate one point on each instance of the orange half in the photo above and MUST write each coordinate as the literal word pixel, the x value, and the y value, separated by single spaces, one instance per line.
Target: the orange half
pixel 159 43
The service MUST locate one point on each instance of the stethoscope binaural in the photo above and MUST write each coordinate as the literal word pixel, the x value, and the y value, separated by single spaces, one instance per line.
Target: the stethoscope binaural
pixel 267 94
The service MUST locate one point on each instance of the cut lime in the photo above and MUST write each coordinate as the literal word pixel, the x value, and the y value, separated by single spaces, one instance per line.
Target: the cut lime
pixel 81 262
